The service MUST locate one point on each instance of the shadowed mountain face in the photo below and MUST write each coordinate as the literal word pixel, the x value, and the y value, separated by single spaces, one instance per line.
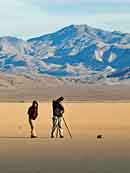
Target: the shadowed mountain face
pixel 76 51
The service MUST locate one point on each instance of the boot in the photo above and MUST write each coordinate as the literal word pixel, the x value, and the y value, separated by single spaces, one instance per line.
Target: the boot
pixel 52 136
pixel 33 135
pixel 61 136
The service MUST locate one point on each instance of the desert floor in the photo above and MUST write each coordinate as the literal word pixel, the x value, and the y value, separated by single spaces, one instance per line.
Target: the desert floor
pixel 84 153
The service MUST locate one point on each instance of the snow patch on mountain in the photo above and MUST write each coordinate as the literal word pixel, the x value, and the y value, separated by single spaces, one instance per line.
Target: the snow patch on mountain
pixel 112 57
pixel 77 70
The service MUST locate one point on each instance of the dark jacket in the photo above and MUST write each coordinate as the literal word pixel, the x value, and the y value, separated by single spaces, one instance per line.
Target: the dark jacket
pixel 58 109
pixel 33 112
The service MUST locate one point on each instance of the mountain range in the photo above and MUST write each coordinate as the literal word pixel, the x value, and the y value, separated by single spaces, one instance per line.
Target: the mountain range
pixel 74 52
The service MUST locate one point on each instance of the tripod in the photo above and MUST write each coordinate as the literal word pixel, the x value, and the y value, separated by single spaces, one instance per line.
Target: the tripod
pixel 67 128
pixel 58 130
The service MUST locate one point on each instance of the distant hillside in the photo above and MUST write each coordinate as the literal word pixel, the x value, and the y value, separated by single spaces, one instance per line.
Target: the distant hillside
pixel 77 51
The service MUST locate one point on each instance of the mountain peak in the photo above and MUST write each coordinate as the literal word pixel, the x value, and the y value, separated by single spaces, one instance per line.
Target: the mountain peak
pixel 82 26
pixel 68 30
pixel 75 50
pixel 78 28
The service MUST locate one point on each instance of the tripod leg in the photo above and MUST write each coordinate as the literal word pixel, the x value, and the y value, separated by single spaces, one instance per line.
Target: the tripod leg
pixel 67 127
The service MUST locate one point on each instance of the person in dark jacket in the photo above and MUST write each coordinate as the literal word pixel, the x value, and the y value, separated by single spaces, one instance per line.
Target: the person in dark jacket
pixel 58 111
pixel 32 115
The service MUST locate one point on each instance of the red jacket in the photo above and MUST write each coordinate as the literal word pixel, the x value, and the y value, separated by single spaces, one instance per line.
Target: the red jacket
pixel 33 112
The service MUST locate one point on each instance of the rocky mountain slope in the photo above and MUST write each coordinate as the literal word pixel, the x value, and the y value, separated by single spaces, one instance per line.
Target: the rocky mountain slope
pixel 74 52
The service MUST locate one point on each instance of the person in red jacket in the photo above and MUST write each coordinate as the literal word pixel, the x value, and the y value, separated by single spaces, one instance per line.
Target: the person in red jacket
pixel 33 113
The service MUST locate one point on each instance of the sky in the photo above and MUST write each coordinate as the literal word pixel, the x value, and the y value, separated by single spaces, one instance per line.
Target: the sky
pixel 30 18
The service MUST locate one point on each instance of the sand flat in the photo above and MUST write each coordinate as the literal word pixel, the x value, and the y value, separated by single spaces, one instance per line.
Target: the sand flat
pixel 84 153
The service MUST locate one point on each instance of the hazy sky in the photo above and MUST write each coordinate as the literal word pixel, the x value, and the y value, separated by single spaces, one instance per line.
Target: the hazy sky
pixel 28 18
